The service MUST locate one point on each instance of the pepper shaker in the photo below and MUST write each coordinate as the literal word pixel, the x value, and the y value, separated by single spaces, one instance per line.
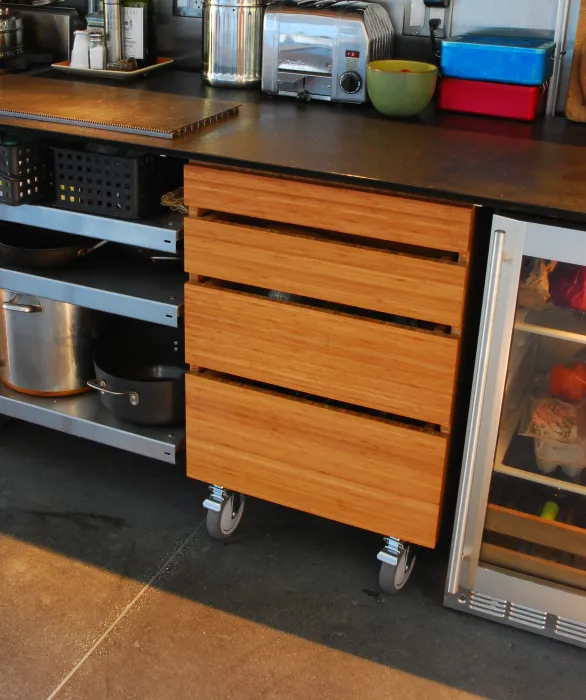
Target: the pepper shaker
pixel 97 51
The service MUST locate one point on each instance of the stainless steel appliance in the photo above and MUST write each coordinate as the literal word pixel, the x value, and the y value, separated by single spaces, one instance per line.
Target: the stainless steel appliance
pixel 519 546
pixel 45 346
pixel 48 29
pixel 319 49
pixel 232 42
pixel 11 33
pixel 113 30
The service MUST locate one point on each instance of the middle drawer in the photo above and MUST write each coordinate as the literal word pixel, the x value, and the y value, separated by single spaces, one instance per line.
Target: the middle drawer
pixel 300 261
pixel 379 365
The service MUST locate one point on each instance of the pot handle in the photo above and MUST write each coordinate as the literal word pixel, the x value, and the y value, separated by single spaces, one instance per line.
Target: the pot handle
pixel 101 386
pixel 13 305
pixel 86 251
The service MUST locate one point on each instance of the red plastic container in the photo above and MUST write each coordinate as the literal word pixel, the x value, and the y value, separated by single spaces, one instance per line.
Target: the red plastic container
pixel 493 99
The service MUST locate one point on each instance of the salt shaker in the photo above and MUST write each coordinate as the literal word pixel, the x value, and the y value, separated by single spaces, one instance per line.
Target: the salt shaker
pixel 97 51
pixel 80 51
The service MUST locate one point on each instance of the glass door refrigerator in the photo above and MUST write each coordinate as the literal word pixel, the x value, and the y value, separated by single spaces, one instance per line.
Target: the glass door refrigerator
pixel 519 546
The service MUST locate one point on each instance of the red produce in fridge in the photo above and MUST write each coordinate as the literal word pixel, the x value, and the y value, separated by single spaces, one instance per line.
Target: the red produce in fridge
pixel 567 286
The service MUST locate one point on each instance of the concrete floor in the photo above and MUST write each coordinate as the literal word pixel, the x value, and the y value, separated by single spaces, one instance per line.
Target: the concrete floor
pixel 110 588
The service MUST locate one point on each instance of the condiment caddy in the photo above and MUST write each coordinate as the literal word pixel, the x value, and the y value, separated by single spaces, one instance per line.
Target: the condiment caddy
pixel 119 42
pixel 65 67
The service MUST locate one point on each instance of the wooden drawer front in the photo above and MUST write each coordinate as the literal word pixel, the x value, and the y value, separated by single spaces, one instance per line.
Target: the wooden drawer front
pixel 368 278
pixel 353 469
pixel 534 566
pixel 350 359
pixel 546 533
pixel 382 216
pixel 531 528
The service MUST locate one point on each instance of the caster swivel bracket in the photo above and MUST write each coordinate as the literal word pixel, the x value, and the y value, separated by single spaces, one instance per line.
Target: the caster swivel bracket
pixel 391 552
pixel 216 498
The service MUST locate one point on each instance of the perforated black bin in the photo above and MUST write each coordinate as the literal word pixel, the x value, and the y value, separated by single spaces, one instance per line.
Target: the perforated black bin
pixel 128 186
pixel 26 172
pixel 27 190
pixel 19 158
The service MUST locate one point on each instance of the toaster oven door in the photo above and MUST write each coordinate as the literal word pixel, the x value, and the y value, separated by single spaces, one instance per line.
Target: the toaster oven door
pixel 309 49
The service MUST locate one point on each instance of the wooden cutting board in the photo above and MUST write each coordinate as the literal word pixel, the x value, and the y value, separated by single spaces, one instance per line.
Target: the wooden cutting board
pixel 109 108
pixel 576 100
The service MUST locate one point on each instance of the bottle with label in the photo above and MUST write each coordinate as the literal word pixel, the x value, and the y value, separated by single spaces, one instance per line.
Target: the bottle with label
pixel 139 31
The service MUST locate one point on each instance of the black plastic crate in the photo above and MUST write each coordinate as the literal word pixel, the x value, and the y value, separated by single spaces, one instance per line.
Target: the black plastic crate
pixel 20 159
pixel 26 173
pixel 26 190
pixel 123 186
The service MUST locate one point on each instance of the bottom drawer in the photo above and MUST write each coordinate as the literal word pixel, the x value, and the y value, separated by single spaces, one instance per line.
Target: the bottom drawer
pixel 346 466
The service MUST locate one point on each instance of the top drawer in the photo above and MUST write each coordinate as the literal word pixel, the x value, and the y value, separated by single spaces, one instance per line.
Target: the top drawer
pixel 382 216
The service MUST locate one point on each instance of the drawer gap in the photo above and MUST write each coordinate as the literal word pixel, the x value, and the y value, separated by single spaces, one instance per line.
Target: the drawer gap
pixel 282 297
pixel 412 251
pixel 314 400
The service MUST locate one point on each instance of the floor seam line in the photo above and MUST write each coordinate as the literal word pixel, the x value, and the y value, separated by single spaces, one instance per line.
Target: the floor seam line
pixel 149 584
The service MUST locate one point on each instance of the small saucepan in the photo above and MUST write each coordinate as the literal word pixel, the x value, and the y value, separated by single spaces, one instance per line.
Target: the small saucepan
pixel 141 376
pixel 29 246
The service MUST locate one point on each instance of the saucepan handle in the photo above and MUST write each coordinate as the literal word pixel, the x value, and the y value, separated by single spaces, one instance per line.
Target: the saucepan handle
pixel 100 385
pixel 13 305
pixel 87 251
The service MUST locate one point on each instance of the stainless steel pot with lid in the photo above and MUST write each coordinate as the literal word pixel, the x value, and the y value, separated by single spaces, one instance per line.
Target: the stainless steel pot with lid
pixel 232 42
pixel 45 346
pixel 11 33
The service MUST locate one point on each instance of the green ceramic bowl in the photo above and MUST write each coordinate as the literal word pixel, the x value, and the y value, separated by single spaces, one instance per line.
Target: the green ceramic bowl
pixel 400 88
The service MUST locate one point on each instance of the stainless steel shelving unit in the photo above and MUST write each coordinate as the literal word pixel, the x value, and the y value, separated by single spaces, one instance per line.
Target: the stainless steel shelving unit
pixel 121 285
pixel 161 233
pixel 123 288
pixel 85 417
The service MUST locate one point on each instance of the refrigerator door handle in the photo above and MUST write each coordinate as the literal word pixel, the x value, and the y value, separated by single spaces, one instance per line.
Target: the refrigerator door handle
pixel 476 402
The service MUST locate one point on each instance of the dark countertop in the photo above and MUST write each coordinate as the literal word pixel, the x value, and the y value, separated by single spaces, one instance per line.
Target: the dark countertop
pixel 535 168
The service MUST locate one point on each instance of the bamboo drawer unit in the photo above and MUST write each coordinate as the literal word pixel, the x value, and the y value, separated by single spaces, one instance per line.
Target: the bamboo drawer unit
pixel 378 365
pixel 275 256
pixel 373 215
pixel 338 464
pixel 340 381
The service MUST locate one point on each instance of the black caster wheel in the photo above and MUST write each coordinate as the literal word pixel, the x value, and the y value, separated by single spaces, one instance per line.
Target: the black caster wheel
pixel 222 524
pixel 392 578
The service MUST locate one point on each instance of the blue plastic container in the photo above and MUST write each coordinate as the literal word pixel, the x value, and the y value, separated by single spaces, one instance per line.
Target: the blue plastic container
pixel 498 59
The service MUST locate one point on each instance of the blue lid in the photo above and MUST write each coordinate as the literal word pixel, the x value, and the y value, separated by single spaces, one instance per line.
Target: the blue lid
pixel 504 41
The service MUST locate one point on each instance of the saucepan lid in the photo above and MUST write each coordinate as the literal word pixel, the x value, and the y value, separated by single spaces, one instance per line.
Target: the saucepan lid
pixel 10 21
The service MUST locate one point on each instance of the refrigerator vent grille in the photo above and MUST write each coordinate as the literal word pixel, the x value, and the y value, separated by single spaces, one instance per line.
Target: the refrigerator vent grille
pixel 487 604
pixel 527 616
pixel 571 629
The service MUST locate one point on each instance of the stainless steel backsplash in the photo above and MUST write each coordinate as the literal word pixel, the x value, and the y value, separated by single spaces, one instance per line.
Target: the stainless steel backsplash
pixel 178 37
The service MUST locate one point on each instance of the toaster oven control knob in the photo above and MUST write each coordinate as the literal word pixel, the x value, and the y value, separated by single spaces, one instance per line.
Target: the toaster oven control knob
pixel 351 82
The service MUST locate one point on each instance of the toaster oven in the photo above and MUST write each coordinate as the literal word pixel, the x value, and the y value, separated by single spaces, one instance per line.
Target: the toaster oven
pixel 319 49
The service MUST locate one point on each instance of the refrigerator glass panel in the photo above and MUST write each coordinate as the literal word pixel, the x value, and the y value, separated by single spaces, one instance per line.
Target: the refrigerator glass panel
pixel 535 521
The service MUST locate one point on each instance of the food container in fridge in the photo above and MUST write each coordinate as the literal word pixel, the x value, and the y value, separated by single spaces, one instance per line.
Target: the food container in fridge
pixel 569 456
pixel 493 99
pixel 519 61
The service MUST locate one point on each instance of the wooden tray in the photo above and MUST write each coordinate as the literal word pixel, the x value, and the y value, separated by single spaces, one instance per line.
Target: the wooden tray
pixel 64 67
pixel 108 107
